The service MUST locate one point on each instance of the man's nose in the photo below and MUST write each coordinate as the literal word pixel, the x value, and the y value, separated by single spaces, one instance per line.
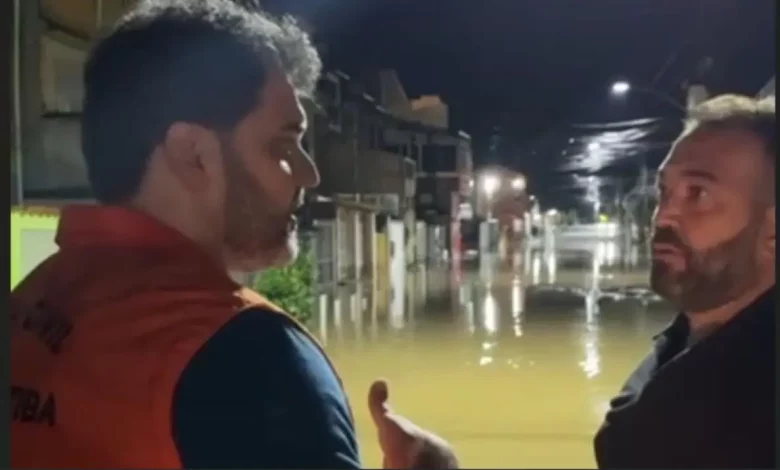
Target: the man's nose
pixel 305 171
pixel 666 215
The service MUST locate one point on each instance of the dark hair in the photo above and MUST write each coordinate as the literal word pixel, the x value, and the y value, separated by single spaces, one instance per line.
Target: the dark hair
pixel 199 61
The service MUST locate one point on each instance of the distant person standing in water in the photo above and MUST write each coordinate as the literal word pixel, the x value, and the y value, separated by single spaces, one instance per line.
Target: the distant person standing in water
pixel 705 396
pixel 131 347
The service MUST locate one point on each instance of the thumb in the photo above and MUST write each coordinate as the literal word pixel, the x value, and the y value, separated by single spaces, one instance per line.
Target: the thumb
pixel 377 401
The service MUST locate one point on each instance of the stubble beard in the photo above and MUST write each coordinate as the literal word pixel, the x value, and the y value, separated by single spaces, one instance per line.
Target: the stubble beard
pixel 255 238
pixel 711 278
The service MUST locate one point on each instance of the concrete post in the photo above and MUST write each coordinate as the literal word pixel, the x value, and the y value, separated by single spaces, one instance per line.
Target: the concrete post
pixel 337 236
pixel 357 246
pixel 372 246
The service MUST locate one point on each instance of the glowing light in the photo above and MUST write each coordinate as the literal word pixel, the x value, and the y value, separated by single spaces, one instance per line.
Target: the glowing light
pixel 490 184
pixel 621 88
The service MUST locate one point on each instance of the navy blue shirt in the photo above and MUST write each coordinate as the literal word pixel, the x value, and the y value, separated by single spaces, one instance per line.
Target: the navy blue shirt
pixel 711 405
pixel 260 394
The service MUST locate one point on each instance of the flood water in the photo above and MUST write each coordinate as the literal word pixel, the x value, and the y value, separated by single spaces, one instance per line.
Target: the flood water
pixel 514 365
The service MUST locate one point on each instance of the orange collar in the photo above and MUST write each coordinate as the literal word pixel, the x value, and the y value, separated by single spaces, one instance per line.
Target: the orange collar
pixel 88 225
pixel 92 225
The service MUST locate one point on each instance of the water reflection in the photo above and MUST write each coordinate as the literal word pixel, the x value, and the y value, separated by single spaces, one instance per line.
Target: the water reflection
pixel 518 305
pixel 490 312
pixel 591 364
pixel 515 365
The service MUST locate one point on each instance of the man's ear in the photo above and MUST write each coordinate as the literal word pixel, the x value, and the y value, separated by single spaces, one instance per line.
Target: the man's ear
pixel 190 151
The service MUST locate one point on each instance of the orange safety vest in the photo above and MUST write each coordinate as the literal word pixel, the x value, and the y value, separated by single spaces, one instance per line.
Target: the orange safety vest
pixel 101 332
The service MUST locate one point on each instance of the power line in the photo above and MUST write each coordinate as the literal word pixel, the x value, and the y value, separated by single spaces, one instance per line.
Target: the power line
pixel 672 57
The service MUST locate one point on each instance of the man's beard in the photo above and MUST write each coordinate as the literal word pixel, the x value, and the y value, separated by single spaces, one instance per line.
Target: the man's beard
pixel 710 278
pixel 255 236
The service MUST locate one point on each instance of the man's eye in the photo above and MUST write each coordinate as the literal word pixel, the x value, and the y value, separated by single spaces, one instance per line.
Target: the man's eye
pixel 281 152
pixel 697 193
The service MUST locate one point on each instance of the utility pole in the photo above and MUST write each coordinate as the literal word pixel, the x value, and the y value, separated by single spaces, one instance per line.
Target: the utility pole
pixel 696 92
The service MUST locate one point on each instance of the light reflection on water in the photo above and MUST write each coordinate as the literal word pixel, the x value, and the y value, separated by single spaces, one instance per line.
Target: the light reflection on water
pixel 512 368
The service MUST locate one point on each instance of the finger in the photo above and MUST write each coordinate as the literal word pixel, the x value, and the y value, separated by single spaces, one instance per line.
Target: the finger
pixel 378 395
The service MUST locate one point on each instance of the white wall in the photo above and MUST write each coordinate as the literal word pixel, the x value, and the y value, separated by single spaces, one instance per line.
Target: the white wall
pixel 395 232
pixel 36 246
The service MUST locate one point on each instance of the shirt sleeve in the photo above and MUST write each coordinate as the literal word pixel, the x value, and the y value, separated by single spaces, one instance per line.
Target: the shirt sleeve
pixel 260 394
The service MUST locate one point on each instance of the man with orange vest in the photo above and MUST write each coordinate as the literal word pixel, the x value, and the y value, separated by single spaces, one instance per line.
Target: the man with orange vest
pixel 131 346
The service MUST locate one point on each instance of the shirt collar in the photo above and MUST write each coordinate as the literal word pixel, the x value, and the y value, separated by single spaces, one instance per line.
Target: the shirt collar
pixel 679 328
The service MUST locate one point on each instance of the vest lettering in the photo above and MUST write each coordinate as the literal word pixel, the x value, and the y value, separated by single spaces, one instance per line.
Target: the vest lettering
pixel 27 406
pixel 51 329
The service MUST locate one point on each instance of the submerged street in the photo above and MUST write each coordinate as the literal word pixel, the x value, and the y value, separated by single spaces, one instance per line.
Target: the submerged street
pixel 515 366
pixel 233 220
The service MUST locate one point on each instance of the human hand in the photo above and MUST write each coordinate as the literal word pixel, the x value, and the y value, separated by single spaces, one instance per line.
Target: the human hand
pixel 404 444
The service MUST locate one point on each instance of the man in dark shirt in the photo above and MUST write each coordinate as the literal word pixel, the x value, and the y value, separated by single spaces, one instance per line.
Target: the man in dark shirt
pixel 705 395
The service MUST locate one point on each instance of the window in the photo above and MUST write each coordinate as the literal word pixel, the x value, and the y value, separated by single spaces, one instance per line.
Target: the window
pixel 414 150
pixel 350 121
pixel 439 158
pixel 61 76
pixel 370 136
pixel 396 149
pixel 329 97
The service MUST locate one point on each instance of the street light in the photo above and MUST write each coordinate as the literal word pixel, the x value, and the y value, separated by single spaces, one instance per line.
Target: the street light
pixel 621 88
pixel 490 184
pixel 594 146
pixel 518 184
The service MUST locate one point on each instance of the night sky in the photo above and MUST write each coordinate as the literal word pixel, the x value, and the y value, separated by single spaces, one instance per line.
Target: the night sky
pixel 521 76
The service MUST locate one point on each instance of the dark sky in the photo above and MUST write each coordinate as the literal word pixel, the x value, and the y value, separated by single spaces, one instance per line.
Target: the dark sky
pixel 519 73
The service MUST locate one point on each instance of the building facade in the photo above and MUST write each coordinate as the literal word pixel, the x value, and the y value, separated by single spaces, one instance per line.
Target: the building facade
pixel 51 41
